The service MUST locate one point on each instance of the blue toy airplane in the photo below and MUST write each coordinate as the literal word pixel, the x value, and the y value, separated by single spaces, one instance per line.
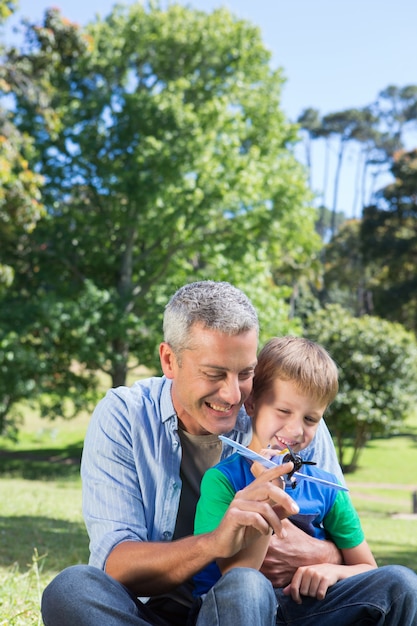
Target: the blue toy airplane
pixel 292 477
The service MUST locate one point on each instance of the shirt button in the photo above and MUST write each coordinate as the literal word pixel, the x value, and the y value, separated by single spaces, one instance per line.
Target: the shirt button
pixel 167 535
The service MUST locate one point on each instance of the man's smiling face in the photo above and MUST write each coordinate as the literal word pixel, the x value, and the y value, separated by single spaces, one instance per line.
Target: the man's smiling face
pixel 212 378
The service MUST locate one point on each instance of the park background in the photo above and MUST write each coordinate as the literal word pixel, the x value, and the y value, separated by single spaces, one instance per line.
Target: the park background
pixel 317 222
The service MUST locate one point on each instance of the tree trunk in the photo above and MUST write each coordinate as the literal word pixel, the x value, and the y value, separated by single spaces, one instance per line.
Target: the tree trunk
pixel 336 187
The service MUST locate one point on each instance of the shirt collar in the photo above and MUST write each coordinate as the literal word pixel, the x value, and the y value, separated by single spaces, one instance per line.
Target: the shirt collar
pixel 167 407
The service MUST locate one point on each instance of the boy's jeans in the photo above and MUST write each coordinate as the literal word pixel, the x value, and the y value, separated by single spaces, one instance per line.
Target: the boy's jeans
pixel 385 596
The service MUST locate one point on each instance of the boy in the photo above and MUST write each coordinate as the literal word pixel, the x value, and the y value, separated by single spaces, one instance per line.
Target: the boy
pixel 295 381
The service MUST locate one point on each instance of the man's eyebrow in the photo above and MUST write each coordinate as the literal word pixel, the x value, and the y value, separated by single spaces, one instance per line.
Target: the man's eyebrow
pixel 221 368
pixel 250 367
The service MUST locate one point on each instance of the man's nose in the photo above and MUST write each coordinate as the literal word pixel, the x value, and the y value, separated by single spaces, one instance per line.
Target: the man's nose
pixel 230 391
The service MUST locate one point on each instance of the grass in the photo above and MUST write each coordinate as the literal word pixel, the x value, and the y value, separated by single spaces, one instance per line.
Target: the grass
pixel 382 490
pixel 42 530
pixel 41 525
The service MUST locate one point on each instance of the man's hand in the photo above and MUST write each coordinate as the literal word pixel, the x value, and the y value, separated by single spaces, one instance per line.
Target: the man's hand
pixel 298 549
pixel 253 513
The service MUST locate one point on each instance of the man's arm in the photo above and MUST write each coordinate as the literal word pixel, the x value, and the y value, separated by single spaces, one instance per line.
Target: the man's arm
pixel 149 568
pixel 297 549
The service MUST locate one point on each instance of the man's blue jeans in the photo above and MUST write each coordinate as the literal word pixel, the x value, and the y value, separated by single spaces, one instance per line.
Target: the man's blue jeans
pixel 86 596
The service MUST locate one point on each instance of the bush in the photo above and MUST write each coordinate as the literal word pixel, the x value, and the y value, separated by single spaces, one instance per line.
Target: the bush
pixel 378 376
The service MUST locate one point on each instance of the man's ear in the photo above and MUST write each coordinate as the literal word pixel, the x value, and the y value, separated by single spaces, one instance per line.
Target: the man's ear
pixel 168 360
pixel 250 405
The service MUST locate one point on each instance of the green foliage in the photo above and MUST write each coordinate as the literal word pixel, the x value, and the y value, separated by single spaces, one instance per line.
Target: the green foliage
pixel 167 159
pixel 20 184
pixel 397 107
pixel 36 361
pixel 346 277
pixel 7 8
pixel 324 221
pixel 378 376
pixel 388 241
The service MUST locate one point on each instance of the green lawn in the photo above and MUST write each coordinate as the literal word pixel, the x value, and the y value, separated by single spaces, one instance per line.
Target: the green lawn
pixel 382 491
pixel 41 525
pixel 42 531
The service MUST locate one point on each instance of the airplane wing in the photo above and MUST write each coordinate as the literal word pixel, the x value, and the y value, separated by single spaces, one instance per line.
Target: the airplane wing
pixel 254 456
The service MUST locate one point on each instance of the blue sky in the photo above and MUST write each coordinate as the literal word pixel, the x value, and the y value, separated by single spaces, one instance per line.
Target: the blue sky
pixel 335 54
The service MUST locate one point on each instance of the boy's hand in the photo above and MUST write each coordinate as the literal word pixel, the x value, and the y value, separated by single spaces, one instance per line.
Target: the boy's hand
pixel 312 581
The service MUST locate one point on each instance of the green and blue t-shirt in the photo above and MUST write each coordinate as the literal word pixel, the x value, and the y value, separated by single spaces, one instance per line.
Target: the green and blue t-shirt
pixel 325 513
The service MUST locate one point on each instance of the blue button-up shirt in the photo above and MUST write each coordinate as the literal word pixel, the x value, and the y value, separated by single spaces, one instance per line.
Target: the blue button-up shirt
pixel 131 465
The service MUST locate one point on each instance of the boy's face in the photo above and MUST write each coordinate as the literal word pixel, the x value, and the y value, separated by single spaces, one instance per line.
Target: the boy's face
pixel 284 417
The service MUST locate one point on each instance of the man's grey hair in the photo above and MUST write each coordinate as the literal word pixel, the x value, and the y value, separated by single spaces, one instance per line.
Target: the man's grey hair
pixel 214 305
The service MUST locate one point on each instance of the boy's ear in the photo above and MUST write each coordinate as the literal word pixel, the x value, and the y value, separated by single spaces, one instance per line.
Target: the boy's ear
pixel 250 406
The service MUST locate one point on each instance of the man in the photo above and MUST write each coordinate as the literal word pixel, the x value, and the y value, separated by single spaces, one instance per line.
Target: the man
pixel 145 452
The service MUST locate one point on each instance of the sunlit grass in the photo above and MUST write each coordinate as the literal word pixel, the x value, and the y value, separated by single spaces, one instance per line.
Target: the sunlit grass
pixel 382 490
pixel 42 530
pixel 21 594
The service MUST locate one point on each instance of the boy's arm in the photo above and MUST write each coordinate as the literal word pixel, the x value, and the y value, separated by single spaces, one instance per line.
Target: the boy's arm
pixel 216 496
pixel 314 580
pixel 252 556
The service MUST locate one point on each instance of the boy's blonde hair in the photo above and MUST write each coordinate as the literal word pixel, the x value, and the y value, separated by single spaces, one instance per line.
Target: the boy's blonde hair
pixel 301 361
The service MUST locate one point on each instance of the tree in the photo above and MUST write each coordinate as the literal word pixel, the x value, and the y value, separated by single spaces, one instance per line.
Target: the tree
pixel 167 160
pixel 7 8
pixel 396 107
pixel 347 125
pixel 388 241
pixel 310 122
pixel 20 209
pixel 20 196
pixel 346 278
pixel 378 377
pixel 373 135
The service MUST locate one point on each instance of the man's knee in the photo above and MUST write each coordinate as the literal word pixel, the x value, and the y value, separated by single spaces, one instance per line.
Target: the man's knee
pixel 248 584
pixel 241 596
pixel 247 580
pixel 67 590
pixel 75 580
